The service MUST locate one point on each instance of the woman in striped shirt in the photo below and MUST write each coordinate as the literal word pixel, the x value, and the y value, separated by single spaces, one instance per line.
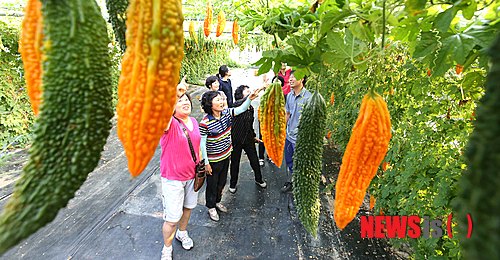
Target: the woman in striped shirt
pixel 216 145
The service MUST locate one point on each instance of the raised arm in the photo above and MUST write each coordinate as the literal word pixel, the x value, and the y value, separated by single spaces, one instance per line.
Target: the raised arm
pixel 243 107
pixel 181 89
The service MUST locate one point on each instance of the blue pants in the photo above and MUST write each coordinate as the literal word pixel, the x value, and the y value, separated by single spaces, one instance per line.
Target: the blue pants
pixel 289 150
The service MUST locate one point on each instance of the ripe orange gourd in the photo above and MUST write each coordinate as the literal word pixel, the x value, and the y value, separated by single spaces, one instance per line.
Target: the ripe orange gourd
pixel 365 151
pixel 30 44
pixel 234 33
pixel 221 24
pixel 273 122
pixel 207 24
pixel 150 71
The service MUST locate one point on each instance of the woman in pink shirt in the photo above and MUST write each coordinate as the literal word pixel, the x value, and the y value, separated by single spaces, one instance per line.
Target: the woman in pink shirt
pixel 285 73
pixel 177 170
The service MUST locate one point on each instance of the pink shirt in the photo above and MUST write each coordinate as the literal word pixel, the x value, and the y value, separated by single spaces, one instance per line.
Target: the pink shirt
pixel 286 77
pixel 176 162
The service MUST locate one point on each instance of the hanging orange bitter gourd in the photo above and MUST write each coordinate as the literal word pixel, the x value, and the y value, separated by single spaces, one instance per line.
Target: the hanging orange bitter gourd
pixel 234 33
pixel 152 61
pixel 207 24
pixel 191 30
pixel 365 151
pixel 30 44
pixel 221 24
pixel 273 122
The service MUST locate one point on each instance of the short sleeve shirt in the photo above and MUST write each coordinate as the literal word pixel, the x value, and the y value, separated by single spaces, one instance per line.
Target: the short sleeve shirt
pixel 294 105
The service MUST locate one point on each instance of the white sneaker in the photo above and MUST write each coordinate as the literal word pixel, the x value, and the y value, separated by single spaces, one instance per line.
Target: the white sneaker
pixel 262 184
pixel 221 207
pixel 183 237
pixel 261 162
pixel 212 213
pixel 232 190
pixel 166 253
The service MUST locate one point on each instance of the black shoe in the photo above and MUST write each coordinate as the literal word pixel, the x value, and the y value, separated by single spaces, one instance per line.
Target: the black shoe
pixel 287 187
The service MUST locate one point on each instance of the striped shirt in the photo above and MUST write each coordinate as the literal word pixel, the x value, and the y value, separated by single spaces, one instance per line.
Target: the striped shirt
pixel 218 132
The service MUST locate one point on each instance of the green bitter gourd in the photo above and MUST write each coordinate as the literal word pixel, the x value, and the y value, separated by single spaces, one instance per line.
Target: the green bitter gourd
pixel 74 119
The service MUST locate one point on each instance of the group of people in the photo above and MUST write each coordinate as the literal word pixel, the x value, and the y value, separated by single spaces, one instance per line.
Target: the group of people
pixel 219 139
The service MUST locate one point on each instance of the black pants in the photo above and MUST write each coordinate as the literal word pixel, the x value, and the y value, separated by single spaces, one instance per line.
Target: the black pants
pixel 249 148
pixel 216 182
pixel 262 148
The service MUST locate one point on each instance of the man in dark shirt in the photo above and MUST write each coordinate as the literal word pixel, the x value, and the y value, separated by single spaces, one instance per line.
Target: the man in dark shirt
pixel 225 84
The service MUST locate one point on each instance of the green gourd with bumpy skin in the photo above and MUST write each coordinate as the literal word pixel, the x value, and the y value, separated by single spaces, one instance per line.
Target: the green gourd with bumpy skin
pixel 307 161
pixel 117 10
pixel 479 186
pixel 74 119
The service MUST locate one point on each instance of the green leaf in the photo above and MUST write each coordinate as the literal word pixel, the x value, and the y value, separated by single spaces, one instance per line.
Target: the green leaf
pixel 269 54
pixel 473 78
pixel 469 11
pixel 443 20
pixel 361 31
pixel 454 48
pixel 292 60
pixel 414 7
pixel 266 67
pixel 484 34
pixel 277 66
pixel 260 61
pixel 301 72
pixel 336 43
pixel 334 60
pixel 330 19
pixel 442 62
pixel 460 44
pixel 282 35
pixel 427 45
pixel 301 52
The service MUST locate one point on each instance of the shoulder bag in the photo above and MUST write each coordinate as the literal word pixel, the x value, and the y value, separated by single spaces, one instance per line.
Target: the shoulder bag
pixel 200 174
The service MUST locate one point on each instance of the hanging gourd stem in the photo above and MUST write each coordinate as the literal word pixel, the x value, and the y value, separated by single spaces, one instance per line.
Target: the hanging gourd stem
pixel 383 25
pixel 382 54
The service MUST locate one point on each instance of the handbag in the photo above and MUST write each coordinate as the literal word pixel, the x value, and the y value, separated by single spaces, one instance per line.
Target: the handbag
pixel 200 174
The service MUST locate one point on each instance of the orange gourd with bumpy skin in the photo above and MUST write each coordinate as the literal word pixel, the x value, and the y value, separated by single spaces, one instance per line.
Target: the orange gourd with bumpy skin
pixel 365 151
pixel 273 122
pixel 30 44
pixel 234 33
pixel 150 72
pixel 207 24
pixel 191 30
pixel 221 24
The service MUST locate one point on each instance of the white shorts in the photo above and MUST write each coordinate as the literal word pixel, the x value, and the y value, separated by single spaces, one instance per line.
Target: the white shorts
pixel 177 195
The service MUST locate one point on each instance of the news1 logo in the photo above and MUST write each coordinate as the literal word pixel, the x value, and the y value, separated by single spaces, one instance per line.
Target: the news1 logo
pixel 408 227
